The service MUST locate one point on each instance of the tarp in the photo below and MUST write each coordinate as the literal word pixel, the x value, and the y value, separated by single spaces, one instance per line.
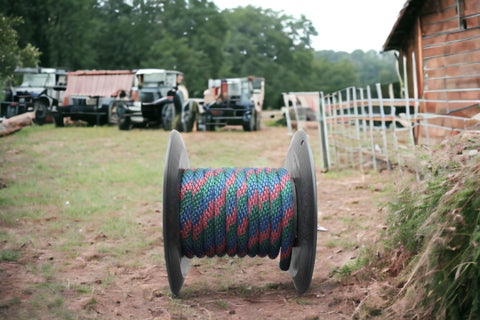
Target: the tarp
pixel 106 83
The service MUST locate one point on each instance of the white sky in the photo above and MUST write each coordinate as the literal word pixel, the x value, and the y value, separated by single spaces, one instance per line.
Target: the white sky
pixel 342 25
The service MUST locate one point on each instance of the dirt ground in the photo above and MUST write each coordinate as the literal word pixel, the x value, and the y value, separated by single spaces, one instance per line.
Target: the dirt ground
pixel 217 288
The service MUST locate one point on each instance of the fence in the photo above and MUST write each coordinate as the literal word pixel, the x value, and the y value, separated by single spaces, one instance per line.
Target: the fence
pixel 361 131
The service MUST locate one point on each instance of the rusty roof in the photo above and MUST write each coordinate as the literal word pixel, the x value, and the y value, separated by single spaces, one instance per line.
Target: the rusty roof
pixel 99 83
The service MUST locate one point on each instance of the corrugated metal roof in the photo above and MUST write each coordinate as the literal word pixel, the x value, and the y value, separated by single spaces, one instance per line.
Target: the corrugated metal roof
pixel 102 83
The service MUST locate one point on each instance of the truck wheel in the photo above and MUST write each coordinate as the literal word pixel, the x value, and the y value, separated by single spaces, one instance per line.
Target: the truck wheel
pixel 58 119
pixel 168 116
pixel 41 111
pixel 189 115
pixel 210 127
pixel 124 123
pixel 249 125
pixel 258 121
pixel 113 114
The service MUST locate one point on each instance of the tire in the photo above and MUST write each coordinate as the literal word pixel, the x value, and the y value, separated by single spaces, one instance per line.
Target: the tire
pixel 41 112
pixel 178 101
pixel 189 116
pixel 113 116
pixel 58 120
pixel 201 123
pixel 258 121
pixel 250 124
pixel 168 116
pixel 124 123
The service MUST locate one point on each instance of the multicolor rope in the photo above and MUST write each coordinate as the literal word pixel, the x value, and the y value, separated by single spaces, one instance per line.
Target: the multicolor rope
pixel 237 211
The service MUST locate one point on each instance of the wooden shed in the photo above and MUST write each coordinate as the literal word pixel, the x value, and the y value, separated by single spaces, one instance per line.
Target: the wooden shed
pixel 440 42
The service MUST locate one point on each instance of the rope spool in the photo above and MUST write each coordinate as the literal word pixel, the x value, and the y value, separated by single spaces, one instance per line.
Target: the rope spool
pixel 240 211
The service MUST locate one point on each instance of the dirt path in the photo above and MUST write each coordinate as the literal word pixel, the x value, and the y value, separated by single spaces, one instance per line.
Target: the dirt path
pixel 217 288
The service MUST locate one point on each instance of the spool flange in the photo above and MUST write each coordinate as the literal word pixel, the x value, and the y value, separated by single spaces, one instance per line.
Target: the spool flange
pixel 301 168
pixel 176 161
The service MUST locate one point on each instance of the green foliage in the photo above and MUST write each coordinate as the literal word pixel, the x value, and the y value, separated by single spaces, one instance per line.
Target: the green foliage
pixel 29 56
pixel 191 36
pixel 411 209
pixel 8 46
pixel 368 67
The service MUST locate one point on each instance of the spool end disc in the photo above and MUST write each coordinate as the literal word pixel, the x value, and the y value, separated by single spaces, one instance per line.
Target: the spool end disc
pixel 176 160
pixel 301 167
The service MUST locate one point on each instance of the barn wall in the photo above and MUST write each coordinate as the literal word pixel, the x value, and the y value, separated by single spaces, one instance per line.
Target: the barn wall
pixel 450 54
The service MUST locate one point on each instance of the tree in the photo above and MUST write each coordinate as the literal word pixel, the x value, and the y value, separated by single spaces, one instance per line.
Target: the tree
pixel 29 56
pixel 11 55
pixel 269 44
pixel 62 30
pixel 9 50
pixel 173 54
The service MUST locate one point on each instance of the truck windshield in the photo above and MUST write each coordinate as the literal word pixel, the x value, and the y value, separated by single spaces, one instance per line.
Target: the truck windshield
pixel 38 80
pixel 154 80
pixel 171 80
pixel 234 88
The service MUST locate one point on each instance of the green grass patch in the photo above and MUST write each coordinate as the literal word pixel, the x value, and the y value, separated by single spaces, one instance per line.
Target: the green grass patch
pixel 10 255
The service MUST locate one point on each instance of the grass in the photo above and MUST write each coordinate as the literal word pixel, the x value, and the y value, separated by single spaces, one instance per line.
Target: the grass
pixel 68 186
pixel 10 255
pixel 434 231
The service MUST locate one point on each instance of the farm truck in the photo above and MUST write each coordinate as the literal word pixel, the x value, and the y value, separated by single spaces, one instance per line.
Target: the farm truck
pixel 232 101
pixel 158 99
pixel 92 96
pixel 33 90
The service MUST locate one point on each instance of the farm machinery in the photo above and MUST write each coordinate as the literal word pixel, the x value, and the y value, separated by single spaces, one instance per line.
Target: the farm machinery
pixel 158 100
pixel 33 90
pixel 232 101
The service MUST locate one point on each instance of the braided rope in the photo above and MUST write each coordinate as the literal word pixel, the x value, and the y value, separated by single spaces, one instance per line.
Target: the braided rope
pixel 237 211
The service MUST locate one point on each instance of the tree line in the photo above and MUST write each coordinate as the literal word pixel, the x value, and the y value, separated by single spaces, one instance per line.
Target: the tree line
pixel 192 36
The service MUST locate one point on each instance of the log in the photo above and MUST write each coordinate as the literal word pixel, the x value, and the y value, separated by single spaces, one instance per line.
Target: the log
pixel 16 123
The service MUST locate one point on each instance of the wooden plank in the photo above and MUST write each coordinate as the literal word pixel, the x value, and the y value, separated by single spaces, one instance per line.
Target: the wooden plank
pixel 473 22
pixel 440 13
pixel 471 7
pixel 452 71
pixel 439 27
pixel 448 37
pixel 463 96
pixel 460 58
pixel 444 107
pixel 465 44
pixel 453 83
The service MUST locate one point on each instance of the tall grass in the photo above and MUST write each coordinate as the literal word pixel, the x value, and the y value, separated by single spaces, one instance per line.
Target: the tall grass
pixel 438 223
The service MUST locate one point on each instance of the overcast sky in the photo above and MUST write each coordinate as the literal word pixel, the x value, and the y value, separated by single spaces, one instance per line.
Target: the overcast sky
pixel 342 25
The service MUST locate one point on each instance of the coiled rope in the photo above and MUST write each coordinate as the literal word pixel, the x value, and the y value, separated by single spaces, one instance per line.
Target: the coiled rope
pixel 237 211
